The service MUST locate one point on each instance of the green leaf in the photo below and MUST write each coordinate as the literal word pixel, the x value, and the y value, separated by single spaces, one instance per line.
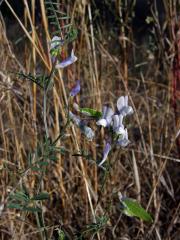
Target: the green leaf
pixel 41 196
pixel 57 17
pixel 14 206
pixel 19 196
pixel 90 112
pixel 134 209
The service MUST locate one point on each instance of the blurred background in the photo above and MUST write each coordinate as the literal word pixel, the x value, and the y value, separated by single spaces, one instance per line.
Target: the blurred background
pixel 123 47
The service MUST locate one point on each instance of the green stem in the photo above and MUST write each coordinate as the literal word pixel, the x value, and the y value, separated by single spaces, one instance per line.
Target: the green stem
pixel 45 113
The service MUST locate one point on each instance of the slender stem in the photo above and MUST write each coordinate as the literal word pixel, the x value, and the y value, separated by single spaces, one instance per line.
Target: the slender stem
pixel 46 88
pixel 51 75
pixel 45 113
pixel 63 132
pixel 39 225
pixel 65 127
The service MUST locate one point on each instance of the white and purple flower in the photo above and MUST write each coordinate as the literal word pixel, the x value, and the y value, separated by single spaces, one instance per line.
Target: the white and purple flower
pixel 117 124
pixel 123 108
pixel 106 118
pixel 76 89
pixel 87 131
pixel 68 61
pixel 106 151
pixel 123 140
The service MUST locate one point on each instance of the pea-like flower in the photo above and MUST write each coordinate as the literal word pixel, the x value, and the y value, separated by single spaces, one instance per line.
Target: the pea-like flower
pixel 55 43
pixel 68 61
pixel 74 118
pixel 123 140
pixel 106 151
pixel 76 89
pixel 117 125
pixel 87 131
pixel 122 106
pixel 106 118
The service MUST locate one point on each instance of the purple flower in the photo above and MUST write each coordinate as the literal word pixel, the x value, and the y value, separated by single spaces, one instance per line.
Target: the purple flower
pixel 87 131
pixel 68 61
pixel 117 125
pixel 76 89
pixel 74 118
pixel 123 140
pixel 106 118
pixel 105 153
pixel 122 106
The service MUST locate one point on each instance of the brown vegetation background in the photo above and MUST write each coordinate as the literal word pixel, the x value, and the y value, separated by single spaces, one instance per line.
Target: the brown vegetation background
pixel 116 56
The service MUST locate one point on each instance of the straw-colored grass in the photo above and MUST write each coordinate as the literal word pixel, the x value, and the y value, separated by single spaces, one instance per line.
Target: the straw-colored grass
pixel 108 67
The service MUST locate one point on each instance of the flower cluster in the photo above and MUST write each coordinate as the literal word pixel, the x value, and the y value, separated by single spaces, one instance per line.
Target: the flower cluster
pixel 55 48
pixel 114 121
pixel 110 119
pixel 87 131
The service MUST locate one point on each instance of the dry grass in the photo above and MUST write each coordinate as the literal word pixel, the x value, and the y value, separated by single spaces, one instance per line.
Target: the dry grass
pixel 108 67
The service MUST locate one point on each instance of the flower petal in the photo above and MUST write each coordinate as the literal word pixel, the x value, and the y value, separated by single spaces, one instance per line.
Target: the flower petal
pixel 123 140
pixel 104 110
pixel 74 118
pixel 87 131
pixel 126 101
pixel 102 122
pixel 120 130
pixel 118 127
pixel 55 42
pixel 130 110
pixel 120 119
pixel 105 153
pixel 120 103
pixel 115 119
pixel 108 115
pixel 109 112
pixel 75 90
pixel 68 61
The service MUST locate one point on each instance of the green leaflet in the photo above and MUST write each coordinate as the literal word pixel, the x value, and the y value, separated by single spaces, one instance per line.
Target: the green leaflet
pixel 19 196
pixel 15 206
pixel 134 209
pixel 90 112
pixel 56 18
pixel 41 196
